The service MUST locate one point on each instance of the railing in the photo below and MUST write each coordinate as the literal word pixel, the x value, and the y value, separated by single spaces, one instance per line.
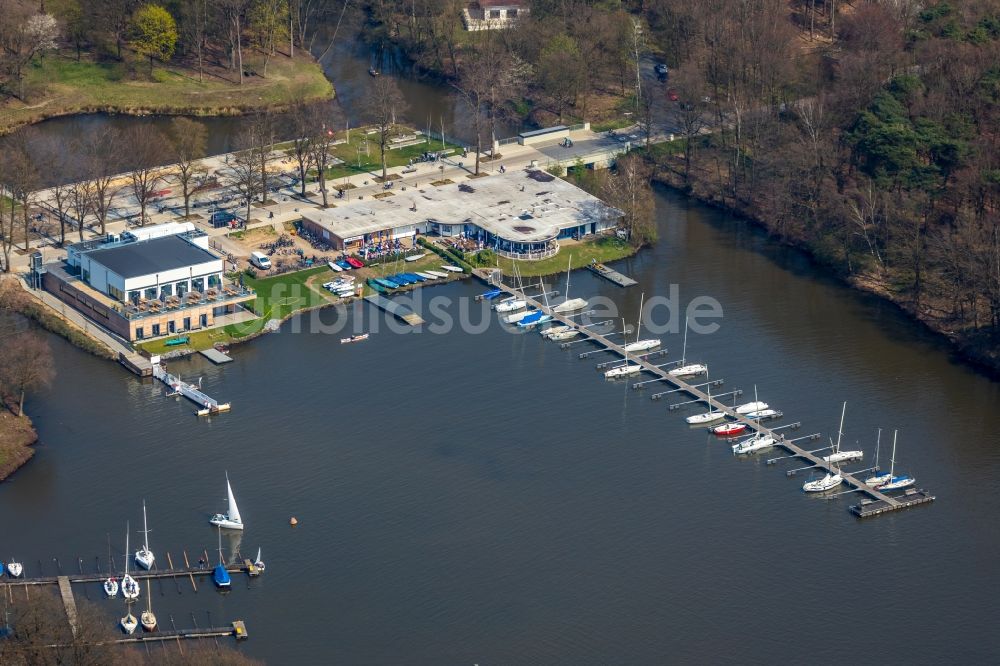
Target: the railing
pixel 221 298
pixel 550 251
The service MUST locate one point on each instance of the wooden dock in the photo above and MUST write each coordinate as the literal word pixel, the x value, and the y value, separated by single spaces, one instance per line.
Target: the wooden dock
pixel 66 592
pixel 396 309
pixel 237 630
pixel 64 581
pixel 875 502
pixel 611 274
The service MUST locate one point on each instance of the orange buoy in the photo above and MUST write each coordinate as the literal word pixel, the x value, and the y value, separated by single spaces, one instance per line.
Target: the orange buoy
pixel 293 521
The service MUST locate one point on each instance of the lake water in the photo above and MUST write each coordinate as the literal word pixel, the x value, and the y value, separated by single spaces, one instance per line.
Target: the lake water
pixel 491 499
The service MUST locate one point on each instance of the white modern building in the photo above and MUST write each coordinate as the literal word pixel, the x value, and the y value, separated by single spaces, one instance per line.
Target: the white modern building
pixel 147 282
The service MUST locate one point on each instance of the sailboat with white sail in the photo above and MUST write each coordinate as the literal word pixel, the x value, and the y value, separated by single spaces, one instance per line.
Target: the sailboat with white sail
pixel 259 563
pixel 130 588
pixel 570 304
pixel 826 482
pixel 685 369
pixel 230 520
pixel 837 455
pixel 144 556
pixel 890 481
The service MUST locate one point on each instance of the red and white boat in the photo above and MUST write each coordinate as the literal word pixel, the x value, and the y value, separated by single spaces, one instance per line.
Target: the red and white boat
pixel 728 429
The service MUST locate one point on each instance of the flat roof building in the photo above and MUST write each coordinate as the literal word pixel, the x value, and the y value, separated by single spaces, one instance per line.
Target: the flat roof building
pixel 520 214
pixel 148 282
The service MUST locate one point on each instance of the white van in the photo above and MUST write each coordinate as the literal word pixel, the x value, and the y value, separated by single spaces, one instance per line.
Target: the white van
pixel 260 260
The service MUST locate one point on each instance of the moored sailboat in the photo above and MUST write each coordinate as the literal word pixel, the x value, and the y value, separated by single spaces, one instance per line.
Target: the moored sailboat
pixel 147 618
pixel 837 455
pixel 129 588
pixel 144 556
pixel 891 482
pixel 220 576
pixel 685 369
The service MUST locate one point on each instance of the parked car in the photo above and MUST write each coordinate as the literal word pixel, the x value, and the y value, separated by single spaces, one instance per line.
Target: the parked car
pixel 661 70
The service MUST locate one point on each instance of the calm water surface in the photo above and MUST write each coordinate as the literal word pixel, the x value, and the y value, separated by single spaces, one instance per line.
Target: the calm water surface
pixel 490 499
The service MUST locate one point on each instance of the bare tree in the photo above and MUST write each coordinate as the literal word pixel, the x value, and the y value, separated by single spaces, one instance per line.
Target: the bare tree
pixel 304 122
pixel 188 141
pixel 146 153
pixel 488 78
pixel 20 179
pixel 81 202
pixel 26 364
pixel 319 150
pixel 246 167
pixel 628 190
pixel 384 102
pixel 233 11
pixel 51 159
pixel 103 151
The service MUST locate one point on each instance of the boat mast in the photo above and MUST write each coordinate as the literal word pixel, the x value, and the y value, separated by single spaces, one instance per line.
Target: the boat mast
pixel 840 432
pixel 878 440
pixel 684 349
pixel 145 528
pixel 569 262
pixel 892 462
pixel 638 326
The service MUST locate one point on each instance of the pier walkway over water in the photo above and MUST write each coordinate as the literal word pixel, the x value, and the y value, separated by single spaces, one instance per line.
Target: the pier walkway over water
pixel 876 501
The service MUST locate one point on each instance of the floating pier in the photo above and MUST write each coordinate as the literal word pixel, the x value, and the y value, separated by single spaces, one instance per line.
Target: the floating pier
pixel 875 503
pixel 215 356
pixel 611 274
pixel 207 404
pixel 396 309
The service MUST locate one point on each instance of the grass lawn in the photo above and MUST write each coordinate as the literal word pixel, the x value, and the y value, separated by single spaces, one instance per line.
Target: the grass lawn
pixel 356 149
pixel 607 248
pixel 277 297
pixel 60 85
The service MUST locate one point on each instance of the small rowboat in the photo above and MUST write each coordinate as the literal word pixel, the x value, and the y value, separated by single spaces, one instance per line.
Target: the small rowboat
pixel 355 263
pixel 343 265
pixel 426 276
pixel 334 267
pixel 437 274
pixel 415 257
pixel 452 269
pixel 728 429
pixel 354 338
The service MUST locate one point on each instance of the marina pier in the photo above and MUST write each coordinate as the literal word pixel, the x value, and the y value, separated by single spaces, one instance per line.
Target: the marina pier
pixel 873 501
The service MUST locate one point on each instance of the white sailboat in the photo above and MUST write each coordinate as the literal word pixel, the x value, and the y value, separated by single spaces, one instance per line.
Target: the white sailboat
pixel 684 369
pixel 837 455
pixel 147 617
pixel 130 588
pixel 259 563
pixel 708 417
pixel 564 335
pixel 570 304
pixel 878 478
pixel 554 330
pixel 144 556
pixel 758 442
pixel 761 414
pixel 751 407
pixel 829 480
pixel 510 306
pixel 893 482
pixel 231 519
pixel 110 583
pixel 15 569
pixel 642 345
pixel 628 369
pixel 128 622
